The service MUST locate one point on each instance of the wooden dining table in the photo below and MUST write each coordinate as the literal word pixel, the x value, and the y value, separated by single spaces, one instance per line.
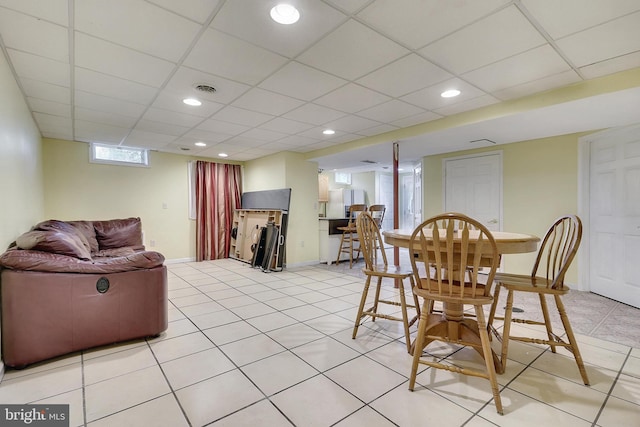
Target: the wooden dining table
pixel 448 323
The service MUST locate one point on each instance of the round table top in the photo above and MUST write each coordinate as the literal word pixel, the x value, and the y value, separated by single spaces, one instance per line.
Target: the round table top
pixel 507 242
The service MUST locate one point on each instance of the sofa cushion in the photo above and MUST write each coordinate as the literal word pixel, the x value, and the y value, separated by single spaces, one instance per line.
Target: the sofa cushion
pixel 118 233
pixel 87 230
pixel 67 227
pixel 54 241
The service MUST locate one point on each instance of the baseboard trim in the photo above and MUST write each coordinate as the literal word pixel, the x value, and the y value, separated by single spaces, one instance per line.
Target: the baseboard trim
pixel 178 260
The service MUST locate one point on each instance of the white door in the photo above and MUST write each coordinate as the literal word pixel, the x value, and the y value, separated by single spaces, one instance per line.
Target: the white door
pixel 614 215
pixel 473 186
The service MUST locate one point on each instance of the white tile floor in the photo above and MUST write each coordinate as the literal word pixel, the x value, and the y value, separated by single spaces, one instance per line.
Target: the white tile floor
pixel 250 348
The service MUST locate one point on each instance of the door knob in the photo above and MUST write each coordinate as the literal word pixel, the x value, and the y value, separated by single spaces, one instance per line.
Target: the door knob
pixel 493 221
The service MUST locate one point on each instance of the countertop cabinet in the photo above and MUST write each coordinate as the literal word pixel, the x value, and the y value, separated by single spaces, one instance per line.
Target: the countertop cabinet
pixel 330 239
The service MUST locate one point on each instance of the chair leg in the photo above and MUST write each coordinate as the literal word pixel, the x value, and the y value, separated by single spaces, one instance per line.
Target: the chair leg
pixel 506 329
pixel 350 250
pixel 488 357
pixel 340 249
pixel 416 303
pixel 405 316
pixel 492 312
pixel 375 301
pixel 363 301
pixel 417 349
pixel 547 321
pixel 572 339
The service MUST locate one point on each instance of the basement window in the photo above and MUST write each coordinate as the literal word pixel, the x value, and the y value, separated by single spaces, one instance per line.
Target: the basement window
pixel 343 178
pixel 119 155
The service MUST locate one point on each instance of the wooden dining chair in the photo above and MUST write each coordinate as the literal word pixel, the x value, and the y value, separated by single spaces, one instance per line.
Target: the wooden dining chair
pixel 370 239
pixel 349 240
pixel 557 251
pixel 446 253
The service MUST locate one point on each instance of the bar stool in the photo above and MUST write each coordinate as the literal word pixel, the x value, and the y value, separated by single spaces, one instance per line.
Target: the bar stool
pixel 350 235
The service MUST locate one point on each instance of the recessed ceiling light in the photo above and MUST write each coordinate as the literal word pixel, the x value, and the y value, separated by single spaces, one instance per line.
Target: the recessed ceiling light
pixel 192 101
pixel 285 14
pixel 450 93
pixel 223 155
pixel 328 131
pixel 200 144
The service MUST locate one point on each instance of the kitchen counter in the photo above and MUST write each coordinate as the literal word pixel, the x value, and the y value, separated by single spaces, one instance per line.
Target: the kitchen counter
pixel 330 238
pixel 333 224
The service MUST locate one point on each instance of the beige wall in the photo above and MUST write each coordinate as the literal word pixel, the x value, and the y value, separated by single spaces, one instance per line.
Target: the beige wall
pixel 78 189
pixel 540 183
pixel 21 190
pixel 291 170
pixel 20 162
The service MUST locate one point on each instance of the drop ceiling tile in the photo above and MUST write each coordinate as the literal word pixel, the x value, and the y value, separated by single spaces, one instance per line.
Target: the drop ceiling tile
pixel 242 141
pixel 222 127
pixel 113 87
pixel 352 98
pixel 49 107
pixel 172 117
pixel 39 68
pixel 222 148
pixel 611 66
pixel 349 6
pixel 249 20
pixel 615 38
pixel 162 128
pixel 560 18
pixel 144 27
pixel 32 35
pixel 525 67
pixel 342 138
pixel 267 102
pixel 417 119
pixel 376 130
pixel 313 114
pixel 286 126
pixel 295 141
pixel 205 136
pixel 263 135
pixel 350 124
pixel 57 134
pixel 301 82
pixel 46 91
pixel 405 75
pixel 196 10
pixel 89 115
pixel 186 148
pixel 118 61
pixel 55 11
pixel 51 123
pixel 139 138
pixel 108 105
pixel 545 83
pixel 223 55
pixel 186 79
pixel 390 111
pixel 417 23
pixel 170 100
pixel 242 117
pixel 99 132
pixel 352 51
pixel 471 104
pixel 430 99
pixel 498 36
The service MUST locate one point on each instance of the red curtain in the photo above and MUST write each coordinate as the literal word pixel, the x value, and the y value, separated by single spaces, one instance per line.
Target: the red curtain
pixel 217 197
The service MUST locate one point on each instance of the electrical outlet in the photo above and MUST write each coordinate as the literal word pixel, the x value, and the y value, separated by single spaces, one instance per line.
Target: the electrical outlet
pixel 302 243
pixel 152 243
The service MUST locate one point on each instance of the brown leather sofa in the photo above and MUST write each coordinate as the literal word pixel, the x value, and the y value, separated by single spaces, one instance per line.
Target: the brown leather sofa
pixel 71 285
